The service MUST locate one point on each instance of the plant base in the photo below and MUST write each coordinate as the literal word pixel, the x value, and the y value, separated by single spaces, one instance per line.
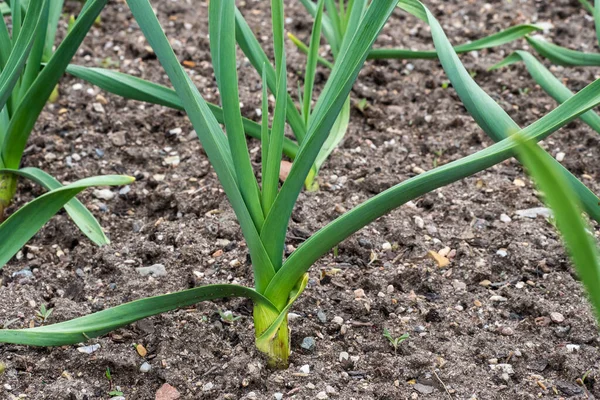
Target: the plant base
pixel 8 188
pixel 277 349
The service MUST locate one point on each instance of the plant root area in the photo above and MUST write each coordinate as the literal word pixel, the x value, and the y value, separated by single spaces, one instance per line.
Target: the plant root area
pixel 506 318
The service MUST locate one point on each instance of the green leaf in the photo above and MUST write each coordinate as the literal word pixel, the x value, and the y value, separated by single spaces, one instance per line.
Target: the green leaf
pixel 596 15
pixel 548 82
pixel 311 62
pixel 56 10
pixel 33 102
pixel 327 25
pixel 131 87
pixel 588 6
pixel 33 67
pixel 338 131
pixel 16 62
pixel 223 49
pixel 210 134
pixel 84 328
pixel 562 56
pixel 497 39
pixel 259 60
pixel 80 215
pixel 567 214
pixel 29 219
pixel 325 114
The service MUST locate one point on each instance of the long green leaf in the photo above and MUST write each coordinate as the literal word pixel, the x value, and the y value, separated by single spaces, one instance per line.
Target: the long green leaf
pixel 597 19
pixel 562 56
pixel 223 49
pixel 36 97
pixel 56 10
pixel 23 224
pixel 16 62
pixel 494 121
pixel 497 39
pixel 80 215
pixel 548 82
pixel 328 30
pixel 5 43
pixel 311 62
pixel 134 88
pixel 338 131
pixel 588 6
pixel 210 134
pixel 259 60
pixel 567 214
pixel 33 67
pixel 325 114
pixel 90 326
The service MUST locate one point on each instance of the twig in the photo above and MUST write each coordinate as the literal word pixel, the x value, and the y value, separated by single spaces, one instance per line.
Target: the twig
pixel 442 382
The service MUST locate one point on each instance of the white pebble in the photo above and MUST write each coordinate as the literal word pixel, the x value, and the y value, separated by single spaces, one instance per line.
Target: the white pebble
pixel 305 369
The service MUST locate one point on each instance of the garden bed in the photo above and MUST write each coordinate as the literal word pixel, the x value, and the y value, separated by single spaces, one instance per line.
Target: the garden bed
pixel 506 319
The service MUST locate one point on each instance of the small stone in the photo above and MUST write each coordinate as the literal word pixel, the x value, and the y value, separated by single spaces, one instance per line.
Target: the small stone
pixel 485 283
pixel 145 368
pixel 338 320
pixel 278 396
pixel 156 270
pixel 419 222
pixel 572 348
pixel 172 161
pixel 560 157
pixel 386 246
pixel 533 213
pixel 89 349
pixel 557 317
pixel 505 368
pixel 24 273
pixel 322 316
pixel 423 389
pixel 502 253
pixel 141 350
pixel 99 108
pixel 459 286
pixel 520 285
pixel 175 131
pixel 330 389
pixel 167 392
pixel 77 86
pixel 439 259
pixel 505 218
pixel 308 343
pixel 101 99
pixel 359 293
pixel 390 289
pixel 498 299
pixel 344 356
pixel 305 369
pixel 125 190
pixel 507 331
pixel 104 194
pixel 322 396
pixel 208 387
pixel 519 183
pixel 118 139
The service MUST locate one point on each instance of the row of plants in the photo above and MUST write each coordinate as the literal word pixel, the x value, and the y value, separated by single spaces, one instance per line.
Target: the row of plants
pixel 263 207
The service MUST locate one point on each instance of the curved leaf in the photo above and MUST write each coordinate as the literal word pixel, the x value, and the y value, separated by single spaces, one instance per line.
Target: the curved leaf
pixel 562 56
pixel 497 39
pixel 80 215
pixel 548 82
pixel 23 224
pixel 84 328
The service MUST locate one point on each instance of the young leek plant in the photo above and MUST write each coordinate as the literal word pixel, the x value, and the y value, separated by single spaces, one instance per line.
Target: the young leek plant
pixel 264 210
pixel 25 86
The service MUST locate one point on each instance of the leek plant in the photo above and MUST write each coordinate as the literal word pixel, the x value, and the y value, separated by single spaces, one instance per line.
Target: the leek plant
pixel 561 56
pixel 264 208
pixel 25 86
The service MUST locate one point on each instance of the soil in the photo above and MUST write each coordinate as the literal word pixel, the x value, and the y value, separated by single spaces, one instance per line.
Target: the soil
pixel 463 330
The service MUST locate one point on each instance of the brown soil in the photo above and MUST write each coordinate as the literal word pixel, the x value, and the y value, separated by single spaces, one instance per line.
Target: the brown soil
pixel 457 331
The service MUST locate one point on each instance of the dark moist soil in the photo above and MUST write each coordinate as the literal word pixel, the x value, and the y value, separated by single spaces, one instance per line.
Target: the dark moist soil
pixel 460 329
